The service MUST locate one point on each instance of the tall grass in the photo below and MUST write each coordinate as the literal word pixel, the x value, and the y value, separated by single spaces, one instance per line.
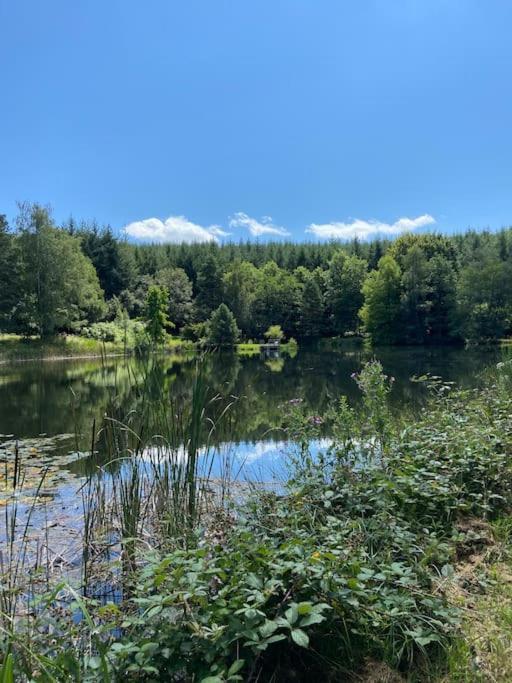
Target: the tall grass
pixel 154 484
pixel 148 489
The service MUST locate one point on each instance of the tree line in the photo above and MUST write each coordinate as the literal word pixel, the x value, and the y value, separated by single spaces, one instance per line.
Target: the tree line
pixel 417 289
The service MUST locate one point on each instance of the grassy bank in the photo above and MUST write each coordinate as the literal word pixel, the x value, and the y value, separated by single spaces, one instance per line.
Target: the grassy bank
pixel 385 555
pixel 254 349
pixel 17 348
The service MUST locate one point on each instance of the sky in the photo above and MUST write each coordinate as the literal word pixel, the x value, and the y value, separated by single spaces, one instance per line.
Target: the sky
pixel 223 120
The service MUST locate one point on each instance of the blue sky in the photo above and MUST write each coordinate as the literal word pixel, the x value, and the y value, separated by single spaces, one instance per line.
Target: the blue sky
pixel 269 118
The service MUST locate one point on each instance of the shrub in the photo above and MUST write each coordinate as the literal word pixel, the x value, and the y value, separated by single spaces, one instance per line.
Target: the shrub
pixel 274 332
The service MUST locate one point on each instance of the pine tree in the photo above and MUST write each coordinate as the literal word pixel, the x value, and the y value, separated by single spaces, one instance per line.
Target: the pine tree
pixel 311 309
pixel 209 287
pixel 222 328
pixel 9 274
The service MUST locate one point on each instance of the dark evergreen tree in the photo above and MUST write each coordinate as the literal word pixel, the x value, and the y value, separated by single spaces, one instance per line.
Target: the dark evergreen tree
pixel 209 287
pixel 10 271
pixel 222 328
pixel 311 309
pixel 114 263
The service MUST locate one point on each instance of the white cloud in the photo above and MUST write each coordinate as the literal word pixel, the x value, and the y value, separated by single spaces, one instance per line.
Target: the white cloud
pixel 365 229
pixel 256 228
pixel 175 229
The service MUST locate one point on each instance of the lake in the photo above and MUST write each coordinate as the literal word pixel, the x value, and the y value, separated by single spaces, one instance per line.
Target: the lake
pixel 46 399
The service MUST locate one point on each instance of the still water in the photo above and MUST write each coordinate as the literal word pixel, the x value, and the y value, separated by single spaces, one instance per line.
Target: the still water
pixel 53 398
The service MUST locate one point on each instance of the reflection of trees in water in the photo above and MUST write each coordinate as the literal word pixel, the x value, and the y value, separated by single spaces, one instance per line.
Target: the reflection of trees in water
pixel 63 397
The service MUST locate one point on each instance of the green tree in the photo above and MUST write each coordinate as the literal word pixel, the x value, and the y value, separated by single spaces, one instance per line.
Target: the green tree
pixel 9 274
pixel 311 309
pixel 112 259
pixel 431 245
pixel 274 333
pixel 344 280
pixel 59 286
pixel 415 296
pixel 484 300
pixel 381 310
pixel 209 287
pixel 277 299
pixel 179 287
pixel 157 303
pixel 240 283
pixel 441 321
pixel 222 328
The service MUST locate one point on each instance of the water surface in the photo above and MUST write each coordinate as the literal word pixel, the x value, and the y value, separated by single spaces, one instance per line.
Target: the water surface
pixel 65 397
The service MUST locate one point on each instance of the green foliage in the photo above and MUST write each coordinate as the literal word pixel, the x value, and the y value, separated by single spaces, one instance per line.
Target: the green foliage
pixel 311 309
pixel 240 283
pixel 222 328
pixel 179 287
pixel 274 332
pixel 277 299
pixel 440 289
pixel 9 275
pixel 209 287
pixel 113 261
pixel 157 322
pixel 381 311
pixel 484 297
pixel 351 559
pixel 344 281
pixel 59 286
pixel 116 331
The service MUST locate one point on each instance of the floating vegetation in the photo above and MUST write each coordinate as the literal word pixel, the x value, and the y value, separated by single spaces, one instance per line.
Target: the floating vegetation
pixel 26 463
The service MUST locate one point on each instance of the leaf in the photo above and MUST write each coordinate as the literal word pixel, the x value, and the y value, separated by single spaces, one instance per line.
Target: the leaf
pixel 7 670
pixel 300 638
pixel 310 619
pixel 292 613
pixel 236 667
pixel 268 628
pixel 275 639
pixel 212 679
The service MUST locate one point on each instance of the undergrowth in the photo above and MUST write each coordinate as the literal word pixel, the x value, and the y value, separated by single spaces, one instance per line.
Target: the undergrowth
pixel 357 558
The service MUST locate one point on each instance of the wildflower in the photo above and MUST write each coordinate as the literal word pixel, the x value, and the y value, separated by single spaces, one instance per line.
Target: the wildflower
pixel 316 420
pixel 315 555
pixel 295 401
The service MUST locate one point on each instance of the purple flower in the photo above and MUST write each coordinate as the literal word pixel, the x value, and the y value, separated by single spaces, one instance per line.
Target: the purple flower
pixel 316 420
pixel 354 375
pixel 295 401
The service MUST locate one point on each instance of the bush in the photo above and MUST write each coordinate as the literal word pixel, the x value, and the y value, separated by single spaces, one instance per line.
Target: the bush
pixel 117 332
pixel 274 332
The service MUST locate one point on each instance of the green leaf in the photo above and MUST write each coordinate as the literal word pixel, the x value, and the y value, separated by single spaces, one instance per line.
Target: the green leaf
pixel 311 619
pixel 300 638
pixel 236 667
pixel 268 628
pixel 292 613
pixel 275 639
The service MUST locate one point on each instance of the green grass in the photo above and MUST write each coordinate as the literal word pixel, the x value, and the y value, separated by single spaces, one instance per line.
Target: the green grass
pixel 253 349
pixel 15 347
pixel 483 649
pixel 248 349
